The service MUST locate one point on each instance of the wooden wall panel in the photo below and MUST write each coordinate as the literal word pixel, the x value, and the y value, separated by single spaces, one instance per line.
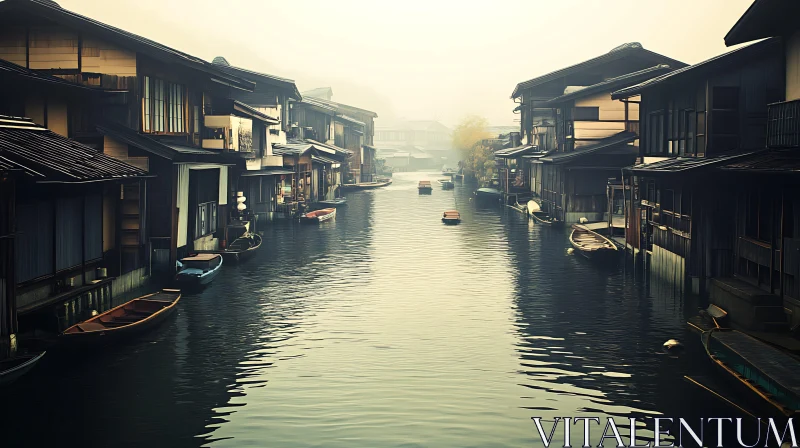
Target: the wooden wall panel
pixel 53 48
pixel 34 109
pixel 115 148
pixel 57 119
pixel 12 45
pixel 102 57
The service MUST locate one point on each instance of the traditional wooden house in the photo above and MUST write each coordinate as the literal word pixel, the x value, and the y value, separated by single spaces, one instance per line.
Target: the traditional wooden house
pixel 766 245
pixel 63 223
pixel 265 178
pixel 316 169
pixel 174 115
pixel 341 125
pixel 583 136
pixel 695 121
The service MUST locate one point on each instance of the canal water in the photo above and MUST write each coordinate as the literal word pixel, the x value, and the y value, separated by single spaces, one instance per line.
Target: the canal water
pixel 382 328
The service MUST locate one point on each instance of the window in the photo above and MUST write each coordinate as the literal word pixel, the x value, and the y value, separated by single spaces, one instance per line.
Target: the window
pixel 586 114
pixel 163 106
pixel 725 119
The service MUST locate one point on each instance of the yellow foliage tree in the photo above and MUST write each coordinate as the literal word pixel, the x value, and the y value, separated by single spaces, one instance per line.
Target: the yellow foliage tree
pixel 468 136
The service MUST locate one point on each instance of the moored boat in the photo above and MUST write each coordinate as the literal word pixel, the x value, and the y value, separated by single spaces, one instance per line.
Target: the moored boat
pixel 338 202
pixel 488 193
pixel 365 185
pixel 425 187
pixel 448 172
pixel 15 367
pixel 199 269
pixel 446 184
pixel 765 375
pixel 591 244
pixel 240 249
pixel 123 321
pixel 451 217
pixel 318 216
pixel 540 216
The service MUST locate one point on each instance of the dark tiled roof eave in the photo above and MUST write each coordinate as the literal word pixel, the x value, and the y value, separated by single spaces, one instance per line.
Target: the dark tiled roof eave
pixel 610 85
pixel 50 157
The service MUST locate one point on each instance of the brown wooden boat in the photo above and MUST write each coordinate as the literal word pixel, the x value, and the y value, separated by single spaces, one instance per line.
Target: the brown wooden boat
pixel 425 187
pixel 591 244
pixel 318 216
pixel 451 217
pixel 123 321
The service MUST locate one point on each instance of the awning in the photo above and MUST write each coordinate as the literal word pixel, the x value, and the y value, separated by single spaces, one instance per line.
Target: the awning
pixel 682 164
pixel 615 142
pixel 266 172
pixel 324 160
pixel 515 152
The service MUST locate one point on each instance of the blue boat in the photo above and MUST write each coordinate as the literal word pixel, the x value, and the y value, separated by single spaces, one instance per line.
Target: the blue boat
pixel 198 270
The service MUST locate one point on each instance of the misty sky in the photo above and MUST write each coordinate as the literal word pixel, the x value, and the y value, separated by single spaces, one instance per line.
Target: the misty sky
pixel 421 59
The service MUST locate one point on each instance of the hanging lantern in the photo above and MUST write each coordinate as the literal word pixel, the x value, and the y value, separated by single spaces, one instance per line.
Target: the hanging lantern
pixel 240 201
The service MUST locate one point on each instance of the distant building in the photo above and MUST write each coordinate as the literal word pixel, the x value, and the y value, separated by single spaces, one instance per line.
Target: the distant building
pixel 426 133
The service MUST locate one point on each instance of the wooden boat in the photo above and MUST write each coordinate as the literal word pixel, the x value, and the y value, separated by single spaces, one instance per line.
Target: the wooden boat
pixel 425 187
pixel 489 193
pixel 764 374
pixel 318 216
pixel 241 248
pixel 541 217
pixel 451 217
pixel 123 321
pixel 591 244
pixel 338 202
pixel 365 185
pixel 14 368
pixel 199 269
pixel 446 184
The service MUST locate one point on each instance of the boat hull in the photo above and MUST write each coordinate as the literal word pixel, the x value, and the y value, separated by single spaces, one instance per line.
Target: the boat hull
pixel 12 373
pixel 364 186
pixel 339 202
pixel 425 190
pixel 488 194
pixel 238 255
pixel 593 246
pixel 82 341
pixel 760 401
pixel 329 214
pixel 451 221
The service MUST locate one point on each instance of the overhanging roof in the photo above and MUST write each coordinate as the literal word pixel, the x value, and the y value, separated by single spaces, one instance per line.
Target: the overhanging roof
pixel 49 157
pixel 611 84
pixel 765 18
pixel 258 77
pixel 250 112
pixel 767 162
pixel 52 11
pixel 622 51
pixel 10 69
pixel 518 151
pixel 323 160
pixel 617 141
pixel 740 55
pixel 270 171
pixel 177 153
pixel 683 164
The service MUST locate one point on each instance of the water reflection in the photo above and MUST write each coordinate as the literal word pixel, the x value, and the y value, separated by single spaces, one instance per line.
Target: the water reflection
pixel 381 328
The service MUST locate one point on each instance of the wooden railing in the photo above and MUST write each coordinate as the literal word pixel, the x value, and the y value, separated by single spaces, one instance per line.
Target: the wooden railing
pixel 758 252
pixel 783 125
pixel 78 307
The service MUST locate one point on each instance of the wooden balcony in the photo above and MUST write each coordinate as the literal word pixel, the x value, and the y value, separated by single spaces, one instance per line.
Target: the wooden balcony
pixel 783 124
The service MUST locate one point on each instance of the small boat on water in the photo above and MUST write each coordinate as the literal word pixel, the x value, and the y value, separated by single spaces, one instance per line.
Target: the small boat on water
pixel 451 217
pixel 425 187
pixel 765 375
pixel 591 244
pixel 123 321
pixel 199 269
pixel 338 202
pixel 448 172
pixel 365 185
pixel 318 216
pixel 240 249
pixel 488 193
pixel 15 367
pixel 446 184
pixel 540 216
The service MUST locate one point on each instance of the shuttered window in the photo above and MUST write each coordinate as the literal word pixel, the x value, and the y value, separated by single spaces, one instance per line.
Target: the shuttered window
pixel 163 106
